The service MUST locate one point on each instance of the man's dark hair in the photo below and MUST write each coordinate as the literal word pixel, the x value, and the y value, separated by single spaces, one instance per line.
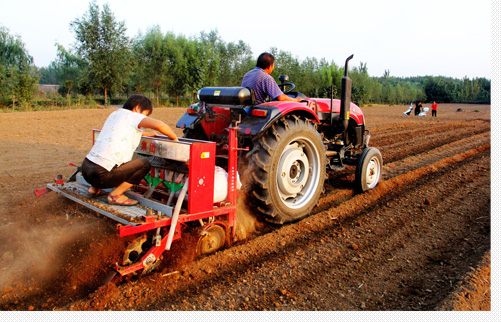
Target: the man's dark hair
pixel 265 60
pixel 142 101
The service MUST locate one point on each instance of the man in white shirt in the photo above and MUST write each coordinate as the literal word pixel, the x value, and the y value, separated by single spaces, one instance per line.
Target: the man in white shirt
pixel 108 164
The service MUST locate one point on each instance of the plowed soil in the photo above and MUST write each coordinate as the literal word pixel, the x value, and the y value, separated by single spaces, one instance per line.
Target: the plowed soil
pixel 408 244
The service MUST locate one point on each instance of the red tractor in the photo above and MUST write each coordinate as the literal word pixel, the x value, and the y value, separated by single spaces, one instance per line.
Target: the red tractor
pixel 290 145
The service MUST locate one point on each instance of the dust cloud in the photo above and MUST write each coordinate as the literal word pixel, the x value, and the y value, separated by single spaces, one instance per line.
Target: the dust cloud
pixel 247 222
pixel 35 254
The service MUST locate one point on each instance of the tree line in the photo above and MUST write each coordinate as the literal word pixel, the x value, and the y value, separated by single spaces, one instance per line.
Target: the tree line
pixel 105 61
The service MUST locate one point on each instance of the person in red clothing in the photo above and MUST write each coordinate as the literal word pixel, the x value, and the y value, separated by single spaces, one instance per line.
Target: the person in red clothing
pixel 434 109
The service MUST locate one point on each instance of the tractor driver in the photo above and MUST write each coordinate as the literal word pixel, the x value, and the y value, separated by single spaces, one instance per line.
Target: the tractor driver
pixel 260 80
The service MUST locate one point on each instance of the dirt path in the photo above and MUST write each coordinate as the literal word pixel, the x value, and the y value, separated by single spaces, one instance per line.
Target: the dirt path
pixel 406 245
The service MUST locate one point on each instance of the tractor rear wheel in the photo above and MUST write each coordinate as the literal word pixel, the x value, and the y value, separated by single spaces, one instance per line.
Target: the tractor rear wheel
pixel 286 172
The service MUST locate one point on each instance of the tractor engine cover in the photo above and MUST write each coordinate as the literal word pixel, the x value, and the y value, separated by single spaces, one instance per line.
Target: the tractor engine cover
pixel 227 96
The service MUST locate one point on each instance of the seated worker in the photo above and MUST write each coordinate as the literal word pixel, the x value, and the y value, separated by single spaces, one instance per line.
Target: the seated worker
pixel 108 164
pixel 260 80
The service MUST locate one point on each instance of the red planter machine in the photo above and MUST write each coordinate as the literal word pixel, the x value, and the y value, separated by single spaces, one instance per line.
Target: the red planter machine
pixel 178 194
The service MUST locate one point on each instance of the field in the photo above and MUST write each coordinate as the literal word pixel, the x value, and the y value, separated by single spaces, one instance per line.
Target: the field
pixel 421 240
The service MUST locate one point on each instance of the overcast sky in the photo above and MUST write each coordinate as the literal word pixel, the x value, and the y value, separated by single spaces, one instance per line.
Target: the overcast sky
pixel 408 38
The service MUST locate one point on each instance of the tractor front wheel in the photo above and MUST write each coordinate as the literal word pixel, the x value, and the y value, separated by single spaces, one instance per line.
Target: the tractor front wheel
pixel 369 169
pixel 286 172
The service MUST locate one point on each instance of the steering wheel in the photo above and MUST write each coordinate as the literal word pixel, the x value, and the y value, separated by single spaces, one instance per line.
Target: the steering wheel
pixel 283 85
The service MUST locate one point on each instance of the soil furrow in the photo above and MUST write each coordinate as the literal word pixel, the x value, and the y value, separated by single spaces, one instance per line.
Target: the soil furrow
pixel 402 133
pixel 416 145
pixel 339 178
pixel 344 181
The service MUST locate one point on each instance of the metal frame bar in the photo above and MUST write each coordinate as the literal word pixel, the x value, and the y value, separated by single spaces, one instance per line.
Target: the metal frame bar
pixel 53 187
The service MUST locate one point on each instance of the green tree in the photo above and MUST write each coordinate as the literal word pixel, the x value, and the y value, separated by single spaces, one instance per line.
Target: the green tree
pixel 151 56
pixel 103 44
pixel 67 67
pixel 17 76
pixel 286 64
pixel 310 81
pixel 209 58
pixel 194 69
pixel 24 88
pixel 47 75
pixel 389 93
pixel 177 65
pixel 330 75
pixel 362 83
pixel 439 89
pixel 236 60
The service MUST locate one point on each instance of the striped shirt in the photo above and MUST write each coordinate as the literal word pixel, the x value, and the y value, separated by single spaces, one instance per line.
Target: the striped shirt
pixel 264 85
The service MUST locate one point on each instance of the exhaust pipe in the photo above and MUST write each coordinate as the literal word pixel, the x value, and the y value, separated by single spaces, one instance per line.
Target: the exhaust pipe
pixel 344 113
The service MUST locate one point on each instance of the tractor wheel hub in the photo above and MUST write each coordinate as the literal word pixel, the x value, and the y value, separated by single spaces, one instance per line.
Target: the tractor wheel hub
pixel 293 168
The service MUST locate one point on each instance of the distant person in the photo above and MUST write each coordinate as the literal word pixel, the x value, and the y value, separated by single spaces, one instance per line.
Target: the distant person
pixel 260 80
pixel 418 108
pixel 434 107
pixel 109 164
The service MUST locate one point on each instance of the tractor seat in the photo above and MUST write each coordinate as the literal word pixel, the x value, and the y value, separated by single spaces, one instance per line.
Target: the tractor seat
pixel 233 96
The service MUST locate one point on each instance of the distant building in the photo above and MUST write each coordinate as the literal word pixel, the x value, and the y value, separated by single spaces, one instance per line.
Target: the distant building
pixel 48 88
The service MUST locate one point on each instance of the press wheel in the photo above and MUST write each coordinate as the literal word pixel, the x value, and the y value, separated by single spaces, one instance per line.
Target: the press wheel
pixel 212 239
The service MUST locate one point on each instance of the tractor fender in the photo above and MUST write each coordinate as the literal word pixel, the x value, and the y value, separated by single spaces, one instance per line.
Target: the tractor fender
pixel 189 120
pixel 254 125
